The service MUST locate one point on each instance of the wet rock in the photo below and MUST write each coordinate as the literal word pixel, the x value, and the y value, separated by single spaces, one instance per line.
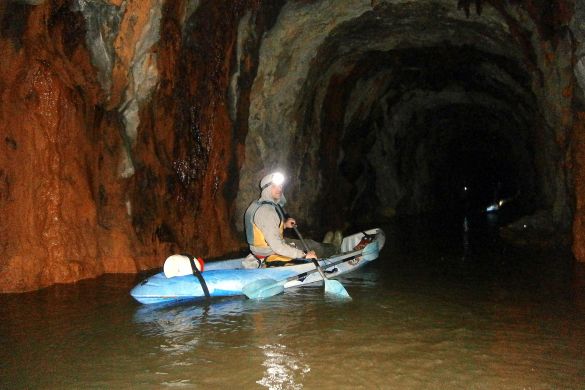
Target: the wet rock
pixel 103 25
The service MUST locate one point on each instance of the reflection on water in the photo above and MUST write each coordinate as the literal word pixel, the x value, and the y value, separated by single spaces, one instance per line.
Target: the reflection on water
pixel 422 316
pixel 282 367
pixel 177 320
pixel 193 328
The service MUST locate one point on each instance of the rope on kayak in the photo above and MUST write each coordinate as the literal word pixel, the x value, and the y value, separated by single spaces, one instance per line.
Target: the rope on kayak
pixel 197 274
pixel 369 236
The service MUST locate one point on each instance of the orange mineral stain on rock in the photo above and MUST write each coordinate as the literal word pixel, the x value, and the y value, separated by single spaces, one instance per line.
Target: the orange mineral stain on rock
pixel 66 213
pixel 50 231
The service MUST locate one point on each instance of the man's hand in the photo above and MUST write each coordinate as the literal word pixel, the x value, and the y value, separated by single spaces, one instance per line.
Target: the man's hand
pixel 290 223
pixel 311 255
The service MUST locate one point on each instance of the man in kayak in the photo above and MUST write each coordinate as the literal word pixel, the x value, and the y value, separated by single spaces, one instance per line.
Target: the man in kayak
pixel 265 221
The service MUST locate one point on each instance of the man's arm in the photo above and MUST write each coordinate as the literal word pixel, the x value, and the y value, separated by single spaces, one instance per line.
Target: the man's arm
pixel 267 220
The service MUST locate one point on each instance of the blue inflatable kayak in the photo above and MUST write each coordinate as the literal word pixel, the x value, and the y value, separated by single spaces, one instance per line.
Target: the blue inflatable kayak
pixel 230 278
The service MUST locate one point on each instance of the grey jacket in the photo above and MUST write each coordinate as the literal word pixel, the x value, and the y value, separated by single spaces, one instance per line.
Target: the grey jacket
pixel 267 220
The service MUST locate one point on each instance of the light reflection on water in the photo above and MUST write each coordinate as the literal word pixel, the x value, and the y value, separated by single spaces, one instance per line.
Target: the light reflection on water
pixel 281 367
pixel 241 330
pixel 422 316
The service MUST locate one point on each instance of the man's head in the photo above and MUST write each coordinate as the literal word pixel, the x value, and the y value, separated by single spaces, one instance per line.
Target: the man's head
pixel 272 185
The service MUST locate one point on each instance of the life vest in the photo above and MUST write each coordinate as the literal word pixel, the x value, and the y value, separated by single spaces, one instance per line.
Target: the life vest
pixel 254 235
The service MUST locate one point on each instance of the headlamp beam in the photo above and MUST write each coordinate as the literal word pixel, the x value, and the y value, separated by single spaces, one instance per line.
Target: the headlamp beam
pixel 276 178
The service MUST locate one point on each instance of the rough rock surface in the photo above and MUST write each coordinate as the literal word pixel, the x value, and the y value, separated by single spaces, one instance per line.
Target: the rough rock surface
pixel 133 129
pixel 54 141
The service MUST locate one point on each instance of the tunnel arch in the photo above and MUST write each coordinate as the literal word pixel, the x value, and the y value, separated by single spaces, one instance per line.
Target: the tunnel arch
pixel 357 86
pixel 403 91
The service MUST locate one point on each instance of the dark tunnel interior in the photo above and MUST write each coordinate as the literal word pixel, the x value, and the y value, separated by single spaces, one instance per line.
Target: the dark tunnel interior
pixel 441 129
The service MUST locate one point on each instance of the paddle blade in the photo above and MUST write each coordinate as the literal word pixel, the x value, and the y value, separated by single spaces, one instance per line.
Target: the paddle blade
pixel 333 287
pixel 371 251
pixel 263 288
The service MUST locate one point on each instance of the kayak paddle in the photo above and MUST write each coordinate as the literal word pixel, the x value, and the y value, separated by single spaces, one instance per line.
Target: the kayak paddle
pixel 266 288
pixel 331 286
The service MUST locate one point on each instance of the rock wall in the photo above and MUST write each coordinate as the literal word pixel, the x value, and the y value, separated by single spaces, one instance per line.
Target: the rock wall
pixel 133 129
pixel 118 144
pixel 55 141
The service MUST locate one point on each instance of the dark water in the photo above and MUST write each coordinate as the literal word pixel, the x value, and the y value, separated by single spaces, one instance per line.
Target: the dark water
pixel 438 310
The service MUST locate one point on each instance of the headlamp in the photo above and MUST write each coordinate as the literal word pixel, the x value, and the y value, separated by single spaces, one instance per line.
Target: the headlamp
pixel 277 179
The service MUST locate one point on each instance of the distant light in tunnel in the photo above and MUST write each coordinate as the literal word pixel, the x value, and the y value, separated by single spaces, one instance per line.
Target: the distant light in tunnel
pixel 495 207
